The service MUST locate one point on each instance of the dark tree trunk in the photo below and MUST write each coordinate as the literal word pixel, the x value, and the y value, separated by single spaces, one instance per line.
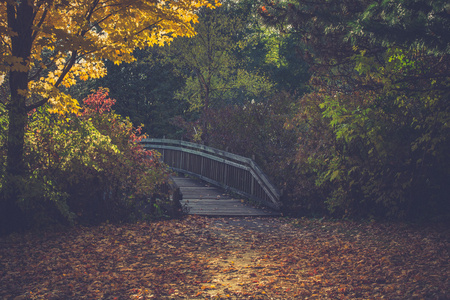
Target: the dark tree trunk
pixel 205 112
pixel 205 135
pixel 20 20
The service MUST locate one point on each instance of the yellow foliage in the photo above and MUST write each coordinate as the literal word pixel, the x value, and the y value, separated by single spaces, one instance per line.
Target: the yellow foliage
pixel 72 38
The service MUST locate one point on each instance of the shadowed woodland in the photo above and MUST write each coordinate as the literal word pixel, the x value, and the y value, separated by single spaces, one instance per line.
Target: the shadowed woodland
pixel 343 104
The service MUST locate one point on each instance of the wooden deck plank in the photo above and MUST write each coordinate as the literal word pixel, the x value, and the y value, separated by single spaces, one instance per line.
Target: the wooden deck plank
pixel 203 199
pixel 188 182
pixel 201 191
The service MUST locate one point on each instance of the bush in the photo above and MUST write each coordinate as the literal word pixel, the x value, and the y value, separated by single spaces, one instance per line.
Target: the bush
pixel 381 152
pixel 89 167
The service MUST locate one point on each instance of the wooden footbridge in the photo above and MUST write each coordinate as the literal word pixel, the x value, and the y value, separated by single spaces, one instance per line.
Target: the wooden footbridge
pixel 221 181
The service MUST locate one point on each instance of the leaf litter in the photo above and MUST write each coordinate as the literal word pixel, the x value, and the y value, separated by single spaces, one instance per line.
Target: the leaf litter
pixel 229 258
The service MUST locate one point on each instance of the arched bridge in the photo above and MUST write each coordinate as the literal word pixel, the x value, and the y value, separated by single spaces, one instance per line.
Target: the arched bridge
pixel 235 173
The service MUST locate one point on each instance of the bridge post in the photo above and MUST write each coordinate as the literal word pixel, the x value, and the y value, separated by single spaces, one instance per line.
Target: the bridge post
pixel 225 174
pixel 252 187
pixel 163 154
pixel 201 165
pixel 181 166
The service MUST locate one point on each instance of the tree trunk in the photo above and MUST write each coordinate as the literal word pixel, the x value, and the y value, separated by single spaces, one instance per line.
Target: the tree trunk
pixel 205 112
pixel 20 20
pixel 205 135
pixel 15 166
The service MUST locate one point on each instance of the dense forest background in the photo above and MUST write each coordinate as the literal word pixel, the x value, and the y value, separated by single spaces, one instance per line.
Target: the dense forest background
pixel 346 119
pixel 344 104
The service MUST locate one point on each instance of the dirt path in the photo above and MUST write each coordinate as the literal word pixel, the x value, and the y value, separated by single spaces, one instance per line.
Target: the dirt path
pixel 233 272
pixel 229 258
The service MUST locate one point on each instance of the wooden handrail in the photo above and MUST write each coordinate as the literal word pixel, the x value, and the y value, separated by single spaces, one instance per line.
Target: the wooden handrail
pixel 236 173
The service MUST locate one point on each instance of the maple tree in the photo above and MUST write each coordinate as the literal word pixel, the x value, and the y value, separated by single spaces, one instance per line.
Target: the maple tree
pixel 47 46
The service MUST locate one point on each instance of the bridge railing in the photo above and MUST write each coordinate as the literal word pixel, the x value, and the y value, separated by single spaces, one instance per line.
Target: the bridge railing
pixel 236 173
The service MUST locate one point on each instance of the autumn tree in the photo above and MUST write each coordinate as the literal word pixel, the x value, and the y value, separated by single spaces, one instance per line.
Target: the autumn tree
pixel 47 46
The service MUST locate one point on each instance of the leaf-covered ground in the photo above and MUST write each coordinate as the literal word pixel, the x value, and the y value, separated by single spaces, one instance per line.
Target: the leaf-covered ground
pixel 229 258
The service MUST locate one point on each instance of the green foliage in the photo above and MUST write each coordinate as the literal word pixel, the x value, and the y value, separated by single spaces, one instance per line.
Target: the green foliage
pixel 374 133
pixel 218 63
pixel 215 74
pixel 389 143
pixel 416 24
pixel 232 62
